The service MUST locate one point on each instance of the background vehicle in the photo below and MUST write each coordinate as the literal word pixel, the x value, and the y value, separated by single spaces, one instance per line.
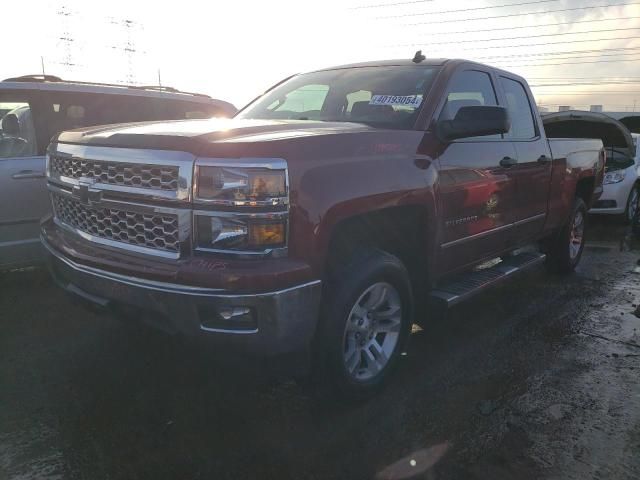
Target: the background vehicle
pixel 33 109
pixel 326 212
pixel 620 187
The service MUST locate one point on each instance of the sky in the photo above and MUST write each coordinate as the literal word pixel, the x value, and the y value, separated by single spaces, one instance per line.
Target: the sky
pixel 570 53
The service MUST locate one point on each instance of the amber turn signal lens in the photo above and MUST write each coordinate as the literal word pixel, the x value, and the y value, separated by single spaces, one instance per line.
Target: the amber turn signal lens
pixel 269 234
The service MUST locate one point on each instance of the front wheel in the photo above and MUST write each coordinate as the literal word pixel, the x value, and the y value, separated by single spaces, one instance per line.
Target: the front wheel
pixel 568 244
pixel 366 322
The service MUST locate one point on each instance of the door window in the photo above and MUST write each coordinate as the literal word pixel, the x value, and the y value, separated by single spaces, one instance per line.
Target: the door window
pixel 522 123
pixel 17 134
pixel 469 88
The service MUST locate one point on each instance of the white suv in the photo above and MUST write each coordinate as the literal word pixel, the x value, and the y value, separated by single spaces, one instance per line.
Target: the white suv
pixel 33 108
pixel 621 184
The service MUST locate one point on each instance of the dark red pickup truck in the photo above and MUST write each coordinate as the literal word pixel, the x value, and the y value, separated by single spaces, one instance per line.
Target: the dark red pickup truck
pixel 326 213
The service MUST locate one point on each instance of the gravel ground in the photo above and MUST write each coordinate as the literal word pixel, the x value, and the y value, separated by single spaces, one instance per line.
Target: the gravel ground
pixel 534 379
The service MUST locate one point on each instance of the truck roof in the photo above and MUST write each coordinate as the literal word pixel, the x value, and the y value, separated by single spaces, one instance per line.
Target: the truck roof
pixel 389 63
pixel 436 62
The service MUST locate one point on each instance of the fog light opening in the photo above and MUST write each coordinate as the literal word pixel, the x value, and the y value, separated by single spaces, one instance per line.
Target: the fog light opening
pixel 226 318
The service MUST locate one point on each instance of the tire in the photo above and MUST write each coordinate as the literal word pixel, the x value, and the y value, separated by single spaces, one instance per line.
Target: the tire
pixel 632 206
pixel 359 343
pixel 566 247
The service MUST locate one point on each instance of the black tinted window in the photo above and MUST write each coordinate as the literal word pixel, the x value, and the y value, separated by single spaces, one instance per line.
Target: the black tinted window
pixel 67 111
pixel 522 124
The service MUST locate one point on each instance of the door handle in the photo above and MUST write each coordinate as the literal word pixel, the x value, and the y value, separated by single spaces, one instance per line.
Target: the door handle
pixel 543 159
pixel 27 174
pixel 508 162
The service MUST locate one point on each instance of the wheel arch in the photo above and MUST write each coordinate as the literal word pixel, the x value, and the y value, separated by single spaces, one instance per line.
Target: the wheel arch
pixel 584 189
pixel 404 231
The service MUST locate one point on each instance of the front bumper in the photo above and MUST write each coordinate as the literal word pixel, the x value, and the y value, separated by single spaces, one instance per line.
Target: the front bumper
pixel 282 321
pixel 607 207
pixel 613 200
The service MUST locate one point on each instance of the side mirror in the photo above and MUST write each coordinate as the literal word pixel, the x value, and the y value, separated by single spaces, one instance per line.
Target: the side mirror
pixel 475 121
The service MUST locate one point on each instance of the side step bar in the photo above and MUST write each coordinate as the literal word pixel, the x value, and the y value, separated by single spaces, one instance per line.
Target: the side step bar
pixel 468 284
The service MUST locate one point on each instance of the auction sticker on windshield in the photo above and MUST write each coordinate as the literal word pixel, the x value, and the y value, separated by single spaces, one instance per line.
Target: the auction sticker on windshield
pixel 397 100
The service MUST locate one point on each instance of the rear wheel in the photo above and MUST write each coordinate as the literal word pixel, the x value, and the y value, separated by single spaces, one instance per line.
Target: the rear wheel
pixel 366 322
pixel 632 205
pixel 566 247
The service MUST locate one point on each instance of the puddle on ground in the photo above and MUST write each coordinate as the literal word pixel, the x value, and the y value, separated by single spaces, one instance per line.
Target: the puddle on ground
pixel 607 234
pixel 599 248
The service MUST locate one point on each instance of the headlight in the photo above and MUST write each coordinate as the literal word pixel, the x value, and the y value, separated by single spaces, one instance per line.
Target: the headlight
pixel 242 206
pixel 240 233
pixel 241 186
pixel 614 177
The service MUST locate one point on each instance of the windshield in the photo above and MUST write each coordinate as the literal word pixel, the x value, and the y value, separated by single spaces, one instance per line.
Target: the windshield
pixel 380 96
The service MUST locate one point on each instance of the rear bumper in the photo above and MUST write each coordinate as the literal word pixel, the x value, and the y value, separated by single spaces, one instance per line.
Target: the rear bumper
pixel 275 323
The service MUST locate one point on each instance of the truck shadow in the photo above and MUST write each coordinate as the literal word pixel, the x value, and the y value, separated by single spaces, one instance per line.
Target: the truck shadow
pixel 133 403
pixel 158 405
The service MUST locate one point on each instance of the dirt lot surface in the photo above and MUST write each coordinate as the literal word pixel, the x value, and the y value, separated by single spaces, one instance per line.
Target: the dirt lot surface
pixel 539 378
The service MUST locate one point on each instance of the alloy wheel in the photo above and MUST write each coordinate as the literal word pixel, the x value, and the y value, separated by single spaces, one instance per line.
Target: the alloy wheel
pixel 372 331
pixel 577 235
pixel 633 204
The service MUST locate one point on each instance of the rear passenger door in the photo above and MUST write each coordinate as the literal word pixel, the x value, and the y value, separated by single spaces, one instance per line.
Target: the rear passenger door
pixel 532 173
pixel 23 192
pixel 477 192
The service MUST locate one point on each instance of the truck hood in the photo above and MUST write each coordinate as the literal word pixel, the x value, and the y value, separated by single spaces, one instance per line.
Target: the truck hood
pixel 195 135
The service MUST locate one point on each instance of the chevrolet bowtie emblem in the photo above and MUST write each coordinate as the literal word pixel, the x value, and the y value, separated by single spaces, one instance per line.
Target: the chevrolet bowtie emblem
pixel 86 193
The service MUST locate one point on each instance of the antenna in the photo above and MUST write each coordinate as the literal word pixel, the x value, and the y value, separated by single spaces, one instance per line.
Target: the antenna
pixel 418 57
pixel 159 81
pixel 42 63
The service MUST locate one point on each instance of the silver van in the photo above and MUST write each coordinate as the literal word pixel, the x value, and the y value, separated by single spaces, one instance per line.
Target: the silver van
pixel 35 107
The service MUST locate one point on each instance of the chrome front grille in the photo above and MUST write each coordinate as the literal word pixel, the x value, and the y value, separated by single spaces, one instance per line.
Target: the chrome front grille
pixel 159 231
pixel 155 177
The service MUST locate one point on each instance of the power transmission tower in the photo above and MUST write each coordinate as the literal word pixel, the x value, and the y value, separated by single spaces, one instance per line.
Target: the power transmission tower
pixel 129 30
pixel 65 16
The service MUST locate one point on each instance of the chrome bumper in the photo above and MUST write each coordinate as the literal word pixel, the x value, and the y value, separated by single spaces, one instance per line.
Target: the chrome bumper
pixel 283 321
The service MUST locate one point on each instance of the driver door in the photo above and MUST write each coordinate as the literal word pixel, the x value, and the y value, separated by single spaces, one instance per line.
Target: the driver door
pixel 476 185
pixel 23 192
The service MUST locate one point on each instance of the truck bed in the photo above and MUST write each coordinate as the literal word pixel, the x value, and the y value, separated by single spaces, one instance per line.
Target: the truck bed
pixel 581 152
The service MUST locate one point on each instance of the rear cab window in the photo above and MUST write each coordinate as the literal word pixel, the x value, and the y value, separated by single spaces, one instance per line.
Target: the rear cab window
pixel 522 121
